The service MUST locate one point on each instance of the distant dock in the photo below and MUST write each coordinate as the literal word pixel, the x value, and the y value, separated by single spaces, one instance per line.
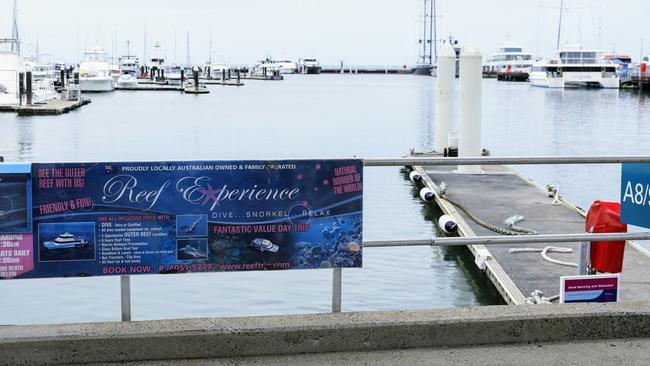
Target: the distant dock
pixel 50 107
pixel 231 82
pixel 642 83
pixel 151 87
pixel 500 193
pixel 367 69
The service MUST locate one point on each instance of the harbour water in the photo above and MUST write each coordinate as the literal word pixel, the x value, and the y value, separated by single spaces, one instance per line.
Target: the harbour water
pixel 318 117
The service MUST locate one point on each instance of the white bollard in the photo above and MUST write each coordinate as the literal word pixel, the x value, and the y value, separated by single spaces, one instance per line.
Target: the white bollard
pixel 469 140
pixel 445 78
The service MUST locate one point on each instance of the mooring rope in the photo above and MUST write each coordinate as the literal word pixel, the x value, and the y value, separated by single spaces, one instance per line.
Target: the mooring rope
pixel 510 222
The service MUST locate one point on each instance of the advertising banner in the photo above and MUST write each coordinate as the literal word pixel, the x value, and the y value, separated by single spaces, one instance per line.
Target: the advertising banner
pixel 94 219
pixel 589 288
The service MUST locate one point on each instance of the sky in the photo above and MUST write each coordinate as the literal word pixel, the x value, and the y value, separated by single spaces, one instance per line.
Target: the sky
pixel 357 32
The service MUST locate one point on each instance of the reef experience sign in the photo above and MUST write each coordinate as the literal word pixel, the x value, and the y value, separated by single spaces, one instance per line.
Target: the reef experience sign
pixel 94 219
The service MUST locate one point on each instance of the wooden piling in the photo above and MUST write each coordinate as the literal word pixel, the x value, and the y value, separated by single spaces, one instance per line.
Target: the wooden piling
pixel 21 87
pixel 28 87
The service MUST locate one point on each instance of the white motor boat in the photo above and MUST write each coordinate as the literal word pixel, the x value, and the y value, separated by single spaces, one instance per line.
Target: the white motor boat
pixel 282 67
pixel 129 65
pixel 127 80
pixel 65 241
pixel 173 73
pixel 217 69
pixel 95 72
pixel 575 67
pixel 310 66
pixel 9 71
pixel 287 67
pixel 510 62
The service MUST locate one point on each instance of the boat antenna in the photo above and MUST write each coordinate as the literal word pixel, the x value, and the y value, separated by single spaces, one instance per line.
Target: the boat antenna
pixel 210 48
pixel 600 24
pixel 15 45
pixel 187 48
pixel 144 53
pixel 641 55
pixel 77 43
pixel 559 28
pixel 579 25
pixel 175 54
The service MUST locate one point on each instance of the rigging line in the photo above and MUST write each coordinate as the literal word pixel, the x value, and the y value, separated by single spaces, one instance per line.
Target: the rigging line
pixel 579 24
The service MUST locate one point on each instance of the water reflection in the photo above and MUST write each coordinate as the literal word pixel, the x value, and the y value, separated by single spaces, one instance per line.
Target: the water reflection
pixel 316 117
pixel 25 140
pixel 427 114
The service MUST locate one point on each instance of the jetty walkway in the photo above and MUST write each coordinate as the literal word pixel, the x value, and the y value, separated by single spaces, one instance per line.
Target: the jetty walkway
pixel 500 193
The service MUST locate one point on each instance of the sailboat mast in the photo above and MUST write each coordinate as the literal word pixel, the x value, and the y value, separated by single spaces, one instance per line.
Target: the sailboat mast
pixel 559 27
pixel 15 45
pixel 210 48
pixel 432 31
pixel 424 34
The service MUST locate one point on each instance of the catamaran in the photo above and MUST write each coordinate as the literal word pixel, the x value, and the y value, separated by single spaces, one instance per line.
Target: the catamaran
pixel 575 67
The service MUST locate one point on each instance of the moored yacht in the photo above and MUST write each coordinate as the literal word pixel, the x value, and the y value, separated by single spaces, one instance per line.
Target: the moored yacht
pixel 43 78
pixel 95 71
pixel 575 67
pixel 283 67
pixel 217 69
pixel 9 73
pixel 309 66
pixel 172 73
pixel 510 62
pixel 129 65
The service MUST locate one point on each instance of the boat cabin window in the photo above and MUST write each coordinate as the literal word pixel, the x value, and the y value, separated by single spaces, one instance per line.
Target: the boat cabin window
pixel 512 49
pixel 578 57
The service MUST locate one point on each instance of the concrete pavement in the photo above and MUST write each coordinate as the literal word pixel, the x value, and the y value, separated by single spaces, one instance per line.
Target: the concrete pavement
pixel 288 336
pixel 587 353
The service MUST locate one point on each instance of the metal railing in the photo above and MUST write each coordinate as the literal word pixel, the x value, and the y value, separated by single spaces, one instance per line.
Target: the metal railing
pixel 337 273
pixel 492 240
pixel 531 160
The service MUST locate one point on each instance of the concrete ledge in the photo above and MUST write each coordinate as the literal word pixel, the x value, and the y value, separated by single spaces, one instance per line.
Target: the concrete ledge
pixel 272 335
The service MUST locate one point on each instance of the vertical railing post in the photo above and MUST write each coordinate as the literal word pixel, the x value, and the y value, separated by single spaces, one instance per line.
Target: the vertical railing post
pixel 583 263
pixel 125 289
pixel 337 274
pixel 585 256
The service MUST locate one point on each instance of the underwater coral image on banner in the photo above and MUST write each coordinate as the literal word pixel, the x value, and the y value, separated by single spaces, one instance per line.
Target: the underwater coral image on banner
pixel 93 219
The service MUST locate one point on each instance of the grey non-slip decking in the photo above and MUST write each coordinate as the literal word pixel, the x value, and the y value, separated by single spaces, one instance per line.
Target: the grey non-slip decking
pixel 501 193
